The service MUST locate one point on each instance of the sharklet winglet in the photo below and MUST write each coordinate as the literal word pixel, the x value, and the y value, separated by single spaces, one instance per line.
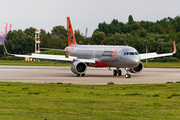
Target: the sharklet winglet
pixel 174 45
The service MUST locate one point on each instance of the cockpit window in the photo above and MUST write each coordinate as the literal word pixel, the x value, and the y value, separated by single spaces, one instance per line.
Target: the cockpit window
pixel 136 53
pixel 131 53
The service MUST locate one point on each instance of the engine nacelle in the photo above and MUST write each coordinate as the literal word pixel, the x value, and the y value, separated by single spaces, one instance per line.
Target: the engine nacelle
pixel 78 67
pixel 137 69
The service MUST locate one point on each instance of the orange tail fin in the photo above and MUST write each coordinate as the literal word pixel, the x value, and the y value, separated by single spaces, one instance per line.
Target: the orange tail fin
pixel 71 39
pixel 68 39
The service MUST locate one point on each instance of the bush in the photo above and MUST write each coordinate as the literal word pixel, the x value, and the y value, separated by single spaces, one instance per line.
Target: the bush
pixel 166 59
pixel 110 83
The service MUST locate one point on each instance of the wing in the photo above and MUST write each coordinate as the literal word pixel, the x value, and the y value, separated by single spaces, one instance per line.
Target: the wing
pixel 56 58
pixel 155 55
pixel 61 58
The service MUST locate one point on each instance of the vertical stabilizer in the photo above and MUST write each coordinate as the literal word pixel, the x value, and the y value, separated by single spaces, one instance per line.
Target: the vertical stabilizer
pixel 71 39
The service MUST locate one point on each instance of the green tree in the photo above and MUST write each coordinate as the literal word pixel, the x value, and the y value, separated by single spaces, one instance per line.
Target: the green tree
pixel 130 20
pixel 161 46
pixel 30 31
pixel 109 41
pixel 58 42
pixel 58 30
pixel 178 37
pixel 130 39
pixel 169 29
pixel 178 50
pixel 142 32
pixel 45 41
pixel 78 36
pixel 98 37
pixel 152 45
pixel 19 42
pixel 156 28
pixel 137 42
pixel 172 36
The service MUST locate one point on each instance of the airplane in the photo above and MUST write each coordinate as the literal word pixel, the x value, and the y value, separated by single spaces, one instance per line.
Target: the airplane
pixel 82 56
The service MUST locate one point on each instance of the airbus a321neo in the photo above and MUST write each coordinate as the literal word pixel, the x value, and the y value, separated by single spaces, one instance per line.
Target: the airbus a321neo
pixel 82 56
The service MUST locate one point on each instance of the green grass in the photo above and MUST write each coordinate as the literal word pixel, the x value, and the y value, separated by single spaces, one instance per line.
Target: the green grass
pixel 31 63
pixel 28 101
pixel 161 65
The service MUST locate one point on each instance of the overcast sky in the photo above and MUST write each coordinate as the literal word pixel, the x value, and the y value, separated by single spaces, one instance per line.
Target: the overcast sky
pixel 84 14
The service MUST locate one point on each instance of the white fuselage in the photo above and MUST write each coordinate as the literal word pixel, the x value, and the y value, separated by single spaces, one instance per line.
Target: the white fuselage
pixel 113 56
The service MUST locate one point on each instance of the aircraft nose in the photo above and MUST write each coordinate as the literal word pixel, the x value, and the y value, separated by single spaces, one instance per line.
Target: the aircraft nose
pixel 137 61
pixel 134 61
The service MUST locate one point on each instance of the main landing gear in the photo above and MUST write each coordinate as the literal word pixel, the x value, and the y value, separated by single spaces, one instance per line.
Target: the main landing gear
pixel 117 72
pixel 81 74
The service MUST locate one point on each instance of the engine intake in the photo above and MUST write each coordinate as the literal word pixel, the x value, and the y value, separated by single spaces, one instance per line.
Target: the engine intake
pixel 78 67
pixel 137 69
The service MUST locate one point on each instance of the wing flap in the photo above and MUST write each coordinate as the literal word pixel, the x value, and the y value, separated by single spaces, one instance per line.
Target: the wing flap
pixel 56 58
pixel 47 57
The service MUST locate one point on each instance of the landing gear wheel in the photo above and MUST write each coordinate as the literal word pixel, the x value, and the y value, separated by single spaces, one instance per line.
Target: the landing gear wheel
pixel 119 72
pixel 78 74
pixel 115 72
pixel 83 74
pixel 128 75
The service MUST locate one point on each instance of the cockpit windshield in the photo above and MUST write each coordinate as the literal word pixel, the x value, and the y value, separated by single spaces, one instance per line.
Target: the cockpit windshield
pixel 131 53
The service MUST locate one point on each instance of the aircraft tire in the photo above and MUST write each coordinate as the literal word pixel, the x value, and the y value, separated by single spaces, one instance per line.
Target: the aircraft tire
pixel 78 75
pixel 128 76
pixel 119 73
pixel 83 74
pixel 115 72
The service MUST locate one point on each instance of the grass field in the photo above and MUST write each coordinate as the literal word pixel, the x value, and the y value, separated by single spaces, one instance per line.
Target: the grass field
pixel 161 65
pixel 27 101
pixel 31 63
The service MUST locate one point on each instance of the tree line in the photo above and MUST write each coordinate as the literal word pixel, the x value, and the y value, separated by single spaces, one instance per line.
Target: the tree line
pixel 157 36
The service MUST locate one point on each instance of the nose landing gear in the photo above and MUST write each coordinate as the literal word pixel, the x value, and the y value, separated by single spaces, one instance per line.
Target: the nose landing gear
pixel 127 75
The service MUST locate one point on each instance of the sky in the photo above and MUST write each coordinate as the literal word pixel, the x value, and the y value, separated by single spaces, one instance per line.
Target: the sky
pixel 45 14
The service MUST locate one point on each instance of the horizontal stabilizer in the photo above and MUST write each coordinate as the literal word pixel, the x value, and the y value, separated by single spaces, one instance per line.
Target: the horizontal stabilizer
pixel 53 49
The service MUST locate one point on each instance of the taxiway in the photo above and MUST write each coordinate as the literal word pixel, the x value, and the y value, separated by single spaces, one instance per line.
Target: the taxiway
pixel 54 74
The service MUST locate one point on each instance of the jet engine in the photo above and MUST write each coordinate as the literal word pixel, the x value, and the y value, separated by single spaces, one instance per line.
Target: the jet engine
pixel 78 67
pixel 137 69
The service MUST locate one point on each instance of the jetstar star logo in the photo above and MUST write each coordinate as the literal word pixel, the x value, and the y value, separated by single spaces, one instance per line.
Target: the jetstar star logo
pixel 114 52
